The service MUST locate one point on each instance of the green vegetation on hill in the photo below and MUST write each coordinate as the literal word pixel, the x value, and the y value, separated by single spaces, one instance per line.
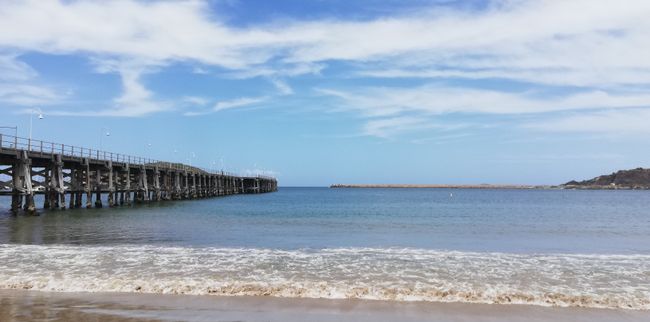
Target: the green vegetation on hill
pixel 638 178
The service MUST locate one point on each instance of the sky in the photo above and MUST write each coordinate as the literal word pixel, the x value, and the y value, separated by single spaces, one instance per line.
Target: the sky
pixel 320 92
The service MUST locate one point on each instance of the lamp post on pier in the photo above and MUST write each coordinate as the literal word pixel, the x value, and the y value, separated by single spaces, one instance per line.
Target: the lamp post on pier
pixel 31 117
pixel 103 131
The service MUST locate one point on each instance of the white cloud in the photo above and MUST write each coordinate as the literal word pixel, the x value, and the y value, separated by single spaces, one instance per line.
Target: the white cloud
pixel 388 127
pixel 12 69
pixel 135 100
pixel 284 70
pixel 610 122
pixel 587 77
pixel 230 104
pixel 592 43
pixel 238 102
pixel 539 35
pixel 436 100
pixel 19 86
pixel 390 111
pixel 29 95
pixel 442 139
pixel 282 89
pixel 146 30
pixel 200 71
pixel 195 100
pixel 282 86
pixel 521 35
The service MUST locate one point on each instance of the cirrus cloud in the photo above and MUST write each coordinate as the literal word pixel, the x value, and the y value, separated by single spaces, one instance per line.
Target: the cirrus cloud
pixel 595 45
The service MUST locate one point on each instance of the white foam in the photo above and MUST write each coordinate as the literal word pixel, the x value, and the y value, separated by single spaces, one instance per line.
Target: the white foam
pixel 606 281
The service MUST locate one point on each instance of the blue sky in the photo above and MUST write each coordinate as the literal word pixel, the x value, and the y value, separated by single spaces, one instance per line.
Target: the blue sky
pixel 323 92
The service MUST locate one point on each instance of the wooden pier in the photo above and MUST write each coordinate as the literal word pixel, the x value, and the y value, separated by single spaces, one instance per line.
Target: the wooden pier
pixel 29 167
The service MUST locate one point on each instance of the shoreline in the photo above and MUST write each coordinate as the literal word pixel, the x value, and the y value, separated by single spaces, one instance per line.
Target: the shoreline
pixel 444 186
pixel 482 186
pixel 23 305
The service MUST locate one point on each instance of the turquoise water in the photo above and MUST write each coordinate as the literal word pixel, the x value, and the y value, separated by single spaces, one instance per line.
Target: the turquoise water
pixel 545 247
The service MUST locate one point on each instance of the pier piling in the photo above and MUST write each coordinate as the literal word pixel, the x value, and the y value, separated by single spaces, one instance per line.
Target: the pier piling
pixel 29 167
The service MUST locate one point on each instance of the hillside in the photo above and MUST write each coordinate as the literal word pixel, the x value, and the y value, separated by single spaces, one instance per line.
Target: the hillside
pixel 638 178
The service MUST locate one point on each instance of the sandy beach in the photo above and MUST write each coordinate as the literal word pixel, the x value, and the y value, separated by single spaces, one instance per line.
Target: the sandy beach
pixel 49 306
pixel 306 161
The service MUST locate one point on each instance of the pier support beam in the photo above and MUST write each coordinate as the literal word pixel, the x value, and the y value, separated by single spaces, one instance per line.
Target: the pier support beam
pixel 199 185
pixel 73 187
pixel 176 194
pixel 127 185
pixel 143 189
pixel 57 184
pixel 193 186
pixel 81 174
pixel 22 185
pixel 78 178
pixel 186 186
pixel 111 184
pixel 87 183
pixel 164 185
pixel 48 185
pixel 156 184
pixel 122 186
pixel 98 188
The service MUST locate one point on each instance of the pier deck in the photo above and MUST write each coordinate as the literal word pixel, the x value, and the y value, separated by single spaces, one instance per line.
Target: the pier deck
pixel 29 167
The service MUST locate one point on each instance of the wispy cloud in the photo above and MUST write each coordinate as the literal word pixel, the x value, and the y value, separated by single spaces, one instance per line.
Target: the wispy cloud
pixel 615 36
pixel 388 127
pixel 441 139
pixel 12 69
pixel 230 104
pixel 282 86
pixel 29 95
pixel 435 100
pixel 19 85
pixel 413 108
pixel 239 102
pixel 540 42
pixel 610 122
pixel 195 100
pixel 594 76
pixel 553 158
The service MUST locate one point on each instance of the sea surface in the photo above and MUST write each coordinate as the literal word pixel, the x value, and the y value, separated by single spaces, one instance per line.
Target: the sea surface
pixel 540 247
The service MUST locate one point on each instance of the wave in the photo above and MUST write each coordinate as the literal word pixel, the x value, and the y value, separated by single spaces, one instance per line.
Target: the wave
pixel 600 281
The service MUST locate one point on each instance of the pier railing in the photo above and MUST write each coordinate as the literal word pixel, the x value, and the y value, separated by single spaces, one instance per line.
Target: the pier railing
pixel 71 151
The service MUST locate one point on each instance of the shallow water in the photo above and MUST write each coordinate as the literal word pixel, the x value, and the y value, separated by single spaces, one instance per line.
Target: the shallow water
pixel 545 247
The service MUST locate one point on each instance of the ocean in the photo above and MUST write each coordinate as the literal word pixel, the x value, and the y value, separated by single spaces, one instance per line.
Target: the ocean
pixel 568 248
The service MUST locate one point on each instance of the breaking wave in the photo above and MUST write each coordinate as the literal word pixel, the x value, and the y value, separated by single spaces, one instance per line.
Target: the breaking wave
pixel 602 281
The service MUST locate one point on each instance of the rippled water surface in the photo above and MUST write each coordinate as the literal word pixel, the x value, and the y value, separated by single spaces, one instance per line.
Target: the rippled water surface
pixel 474 220
pixel 547 247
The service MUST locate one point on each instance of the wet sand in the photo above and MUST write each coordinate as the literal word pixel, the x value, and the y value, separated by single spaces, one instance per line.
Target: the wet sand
pixel 47 306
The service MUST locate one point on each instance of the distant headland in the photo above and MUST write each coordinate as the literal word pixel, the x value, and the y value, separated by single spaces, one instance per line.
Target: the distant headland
pixel 638 179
